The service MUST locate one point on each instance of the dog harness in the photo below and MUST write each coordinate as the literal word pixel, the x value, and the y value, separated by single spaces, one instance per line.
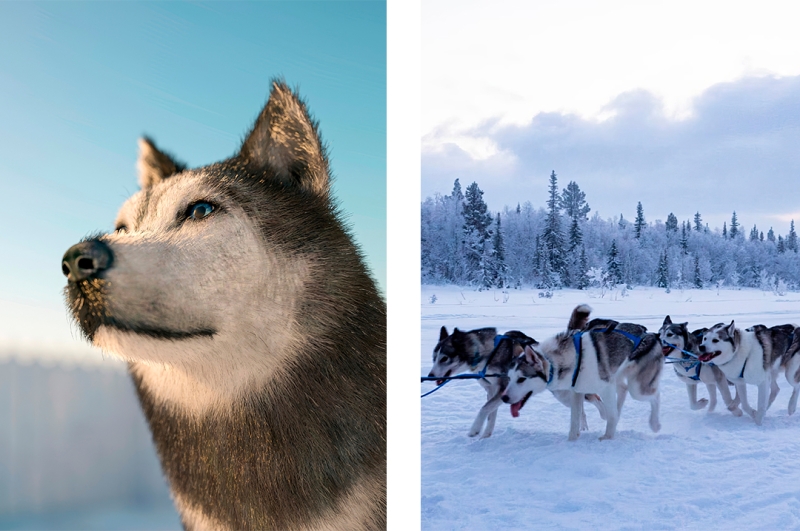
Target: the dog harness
pixel 576 338
pixel 689 364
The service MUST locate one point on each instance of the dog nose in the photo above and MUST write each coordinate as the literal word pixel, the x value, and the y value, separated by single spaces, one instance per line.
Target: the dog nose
pixel 431 375
pixel 505 399
pixel 85 260
pixel 702 348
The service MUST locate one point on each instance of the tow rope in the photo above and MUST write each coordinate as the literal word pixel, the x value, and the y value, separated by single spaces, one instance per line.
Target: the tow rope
pixel 468 376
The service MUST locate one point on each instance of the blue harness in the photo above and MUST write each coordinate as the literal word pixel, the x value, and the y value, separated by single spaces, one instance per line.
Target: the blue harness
pixel 576 338
pixel 471 376
pixel 689 364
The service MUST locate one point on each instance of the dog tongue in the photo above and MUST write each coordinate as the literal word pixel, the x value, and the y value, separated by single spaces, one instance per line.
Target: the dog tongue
pixel 704 357
pixel 666 350
pixel 515 407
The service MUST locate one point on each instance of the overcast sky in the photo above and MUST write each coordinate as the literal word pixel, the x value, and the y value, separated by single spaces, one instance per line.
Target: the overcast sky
pixel 685 108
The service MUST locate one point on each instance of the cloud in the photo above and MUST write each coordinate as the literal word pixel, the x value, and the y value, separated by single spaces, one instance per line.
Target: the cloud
pixel 738 149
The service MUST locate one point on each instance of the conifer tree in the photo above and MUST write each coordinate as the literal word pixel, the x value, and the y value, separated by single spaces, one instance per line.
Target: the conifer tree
pixel 754 234
pixel 685 228
pixel 613 266
pixel 734 226
pixel 698 280
pixel 498 256
pixel 573 201
pixel 781 245
pixel 672 223
pixel 662 274
pixel 621 222
pixel 791 239
pixel 761 236
pixel 476 234
pixel 639 224
pixel 771 235
pixel 552 235
pixel 698 222
pixel 724 230
pixel 582 282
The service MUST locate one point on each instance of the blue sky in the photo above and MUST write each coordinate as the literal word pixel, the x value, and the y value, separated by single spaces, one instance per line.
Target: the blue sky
pixel 80 82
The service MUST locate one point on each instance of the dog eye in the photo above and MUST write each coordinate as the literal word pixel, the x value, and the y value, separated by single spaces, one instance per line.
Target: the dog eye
pixel 444 359
pixel 199 210
pixel 121 229
pixel 520 380
pixel 715 340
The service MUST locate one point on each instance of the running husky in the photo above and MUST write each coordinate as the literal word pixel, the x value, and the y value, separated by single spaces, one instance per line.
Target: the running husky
pixel 791 363
pixel 254 334
pixel 469 351
pixel 675 338
pixel 611 364
pixel 751 356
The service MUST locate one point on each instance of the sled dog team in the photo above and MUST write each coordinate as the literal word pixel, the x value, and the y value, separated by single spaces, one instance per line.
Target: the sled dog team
pixel 601 361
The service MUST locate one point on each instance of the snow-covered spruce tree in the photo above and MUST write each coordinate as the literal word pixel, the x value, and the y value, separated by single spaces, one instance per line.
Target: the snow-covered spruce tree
pixel 754 234
pixel 476 233
pixel 552 236
pixel 771 235
pixel 698 279
pixel 672 223
pixel 685 229
pixel 734 231
pixel 498 256
pixel 698 222
pixel 639 224
pixel 724 230
pixel 662 274
pixel 573 201
pixel 613 267
pixel 442 244
pixel 791 239
pixel 781 245
pixel 582 279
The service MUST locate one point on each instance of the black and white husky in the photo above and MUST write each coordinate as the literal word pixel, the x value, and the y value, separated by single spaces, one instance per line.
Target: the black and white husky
pixel 462 352
pixel 791 363
pixel 255 336
pixel 752 356
pixel 676 338
pixel 602 357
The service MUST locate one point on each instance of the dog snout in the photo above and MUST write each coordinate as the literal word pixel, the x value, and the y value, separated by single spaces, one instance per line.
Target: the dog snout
pixel 85 260
pixel 702 348
pixel 505 399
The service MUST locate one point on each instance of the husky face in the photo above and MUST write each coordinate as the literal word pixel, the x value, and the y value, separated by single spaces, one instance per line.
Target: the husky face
pixel 216 259
pixel 527 377
pixel 676 334
pixel 719 344
pixel 454 353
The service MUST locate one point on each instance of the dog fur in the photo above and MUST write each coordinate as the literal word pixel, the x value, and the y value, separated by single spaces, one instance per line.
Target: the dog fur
pixel 255 336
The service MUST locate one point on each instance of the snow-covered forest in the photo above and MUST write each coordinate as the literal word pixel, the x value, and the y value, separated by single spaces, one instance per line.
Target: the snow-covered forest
pixel 564 245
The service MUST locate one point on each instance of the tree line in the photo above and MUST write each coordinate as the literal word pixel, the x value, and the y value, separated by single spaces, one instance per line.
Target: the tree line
pixel 560 245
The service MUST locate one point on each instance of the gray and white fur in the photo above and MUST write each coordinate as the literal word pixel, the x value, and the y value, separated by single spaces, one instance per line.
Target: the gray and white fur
pixel 462 352
pixel 676 337
pixel 609 367
pixel 254 334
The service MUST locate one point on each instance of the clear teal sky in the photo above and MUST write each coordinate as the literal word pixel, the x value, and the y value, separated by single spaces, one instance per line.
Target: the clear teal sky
pixel 81 81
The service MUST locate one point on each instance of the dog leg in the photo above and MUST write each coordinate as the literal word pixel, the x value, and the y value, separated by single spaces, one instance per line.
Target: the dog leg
pixel 565 397
pixel 601 407
pixel 695 404
pixel 608 396
pixel 741 394
pixel 712 397
pixel 774 389
pixel 487 432
pixel 493 400
pixel 622 394
pixel 576 410
pixel 731 403
pixel 655 406
pixel 763 389
pixel 793 401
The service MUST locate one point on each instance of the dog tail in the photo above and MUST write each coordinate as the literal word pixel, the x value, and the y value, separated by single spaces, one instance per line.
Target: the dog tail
pixel 579 317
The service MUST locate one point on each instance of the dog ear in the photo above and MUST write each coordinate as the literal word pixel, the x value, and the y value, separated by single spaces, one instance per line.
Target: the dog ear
pixel 155 165
pixel 730 329
pixel 285 142
pixel 530 356
pixel 443 334
pixel 667 320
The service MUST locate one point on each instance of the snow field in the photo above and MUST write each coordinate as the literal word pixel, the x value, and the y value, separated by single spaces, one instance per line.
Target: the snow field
pixel 701 471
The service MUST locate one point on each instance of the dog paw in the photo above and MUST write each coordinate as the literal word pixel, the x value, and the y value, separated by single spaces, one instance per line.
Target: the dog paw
pixel 736 412
pixel 486 435
pixel 656 427
pixel 573 436
pixel 472 433
pixel 700 404
pixel 606 437
pixel 791 410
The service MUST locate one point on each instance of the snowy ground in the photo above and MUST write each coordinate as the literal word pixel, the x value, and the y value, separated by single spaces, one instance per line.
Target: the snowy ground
pixel 701 471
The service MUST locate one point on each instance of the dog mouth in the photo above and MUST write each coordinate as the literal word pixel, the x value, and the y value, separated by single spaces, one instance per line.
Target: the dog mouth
pixel 708 356
pixel 443 379
pixel 515 407
pixel 665 350
pixel 88 302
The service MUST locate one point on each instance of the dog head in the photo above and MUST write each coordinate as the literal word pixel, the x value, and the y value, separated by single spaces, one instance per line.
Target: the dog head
pixel 223 254
pixel 719 343
pixel 673 336
pixel 454 353
pixel 527 377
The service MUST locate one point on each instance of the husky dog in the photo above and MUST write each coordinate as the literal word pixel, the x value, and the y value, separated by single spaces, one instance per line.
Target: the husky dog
pixel 610 365
pixel 254 334
pixel 751 356
pixel 791 364
pixel 470 351
pixel 675 338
